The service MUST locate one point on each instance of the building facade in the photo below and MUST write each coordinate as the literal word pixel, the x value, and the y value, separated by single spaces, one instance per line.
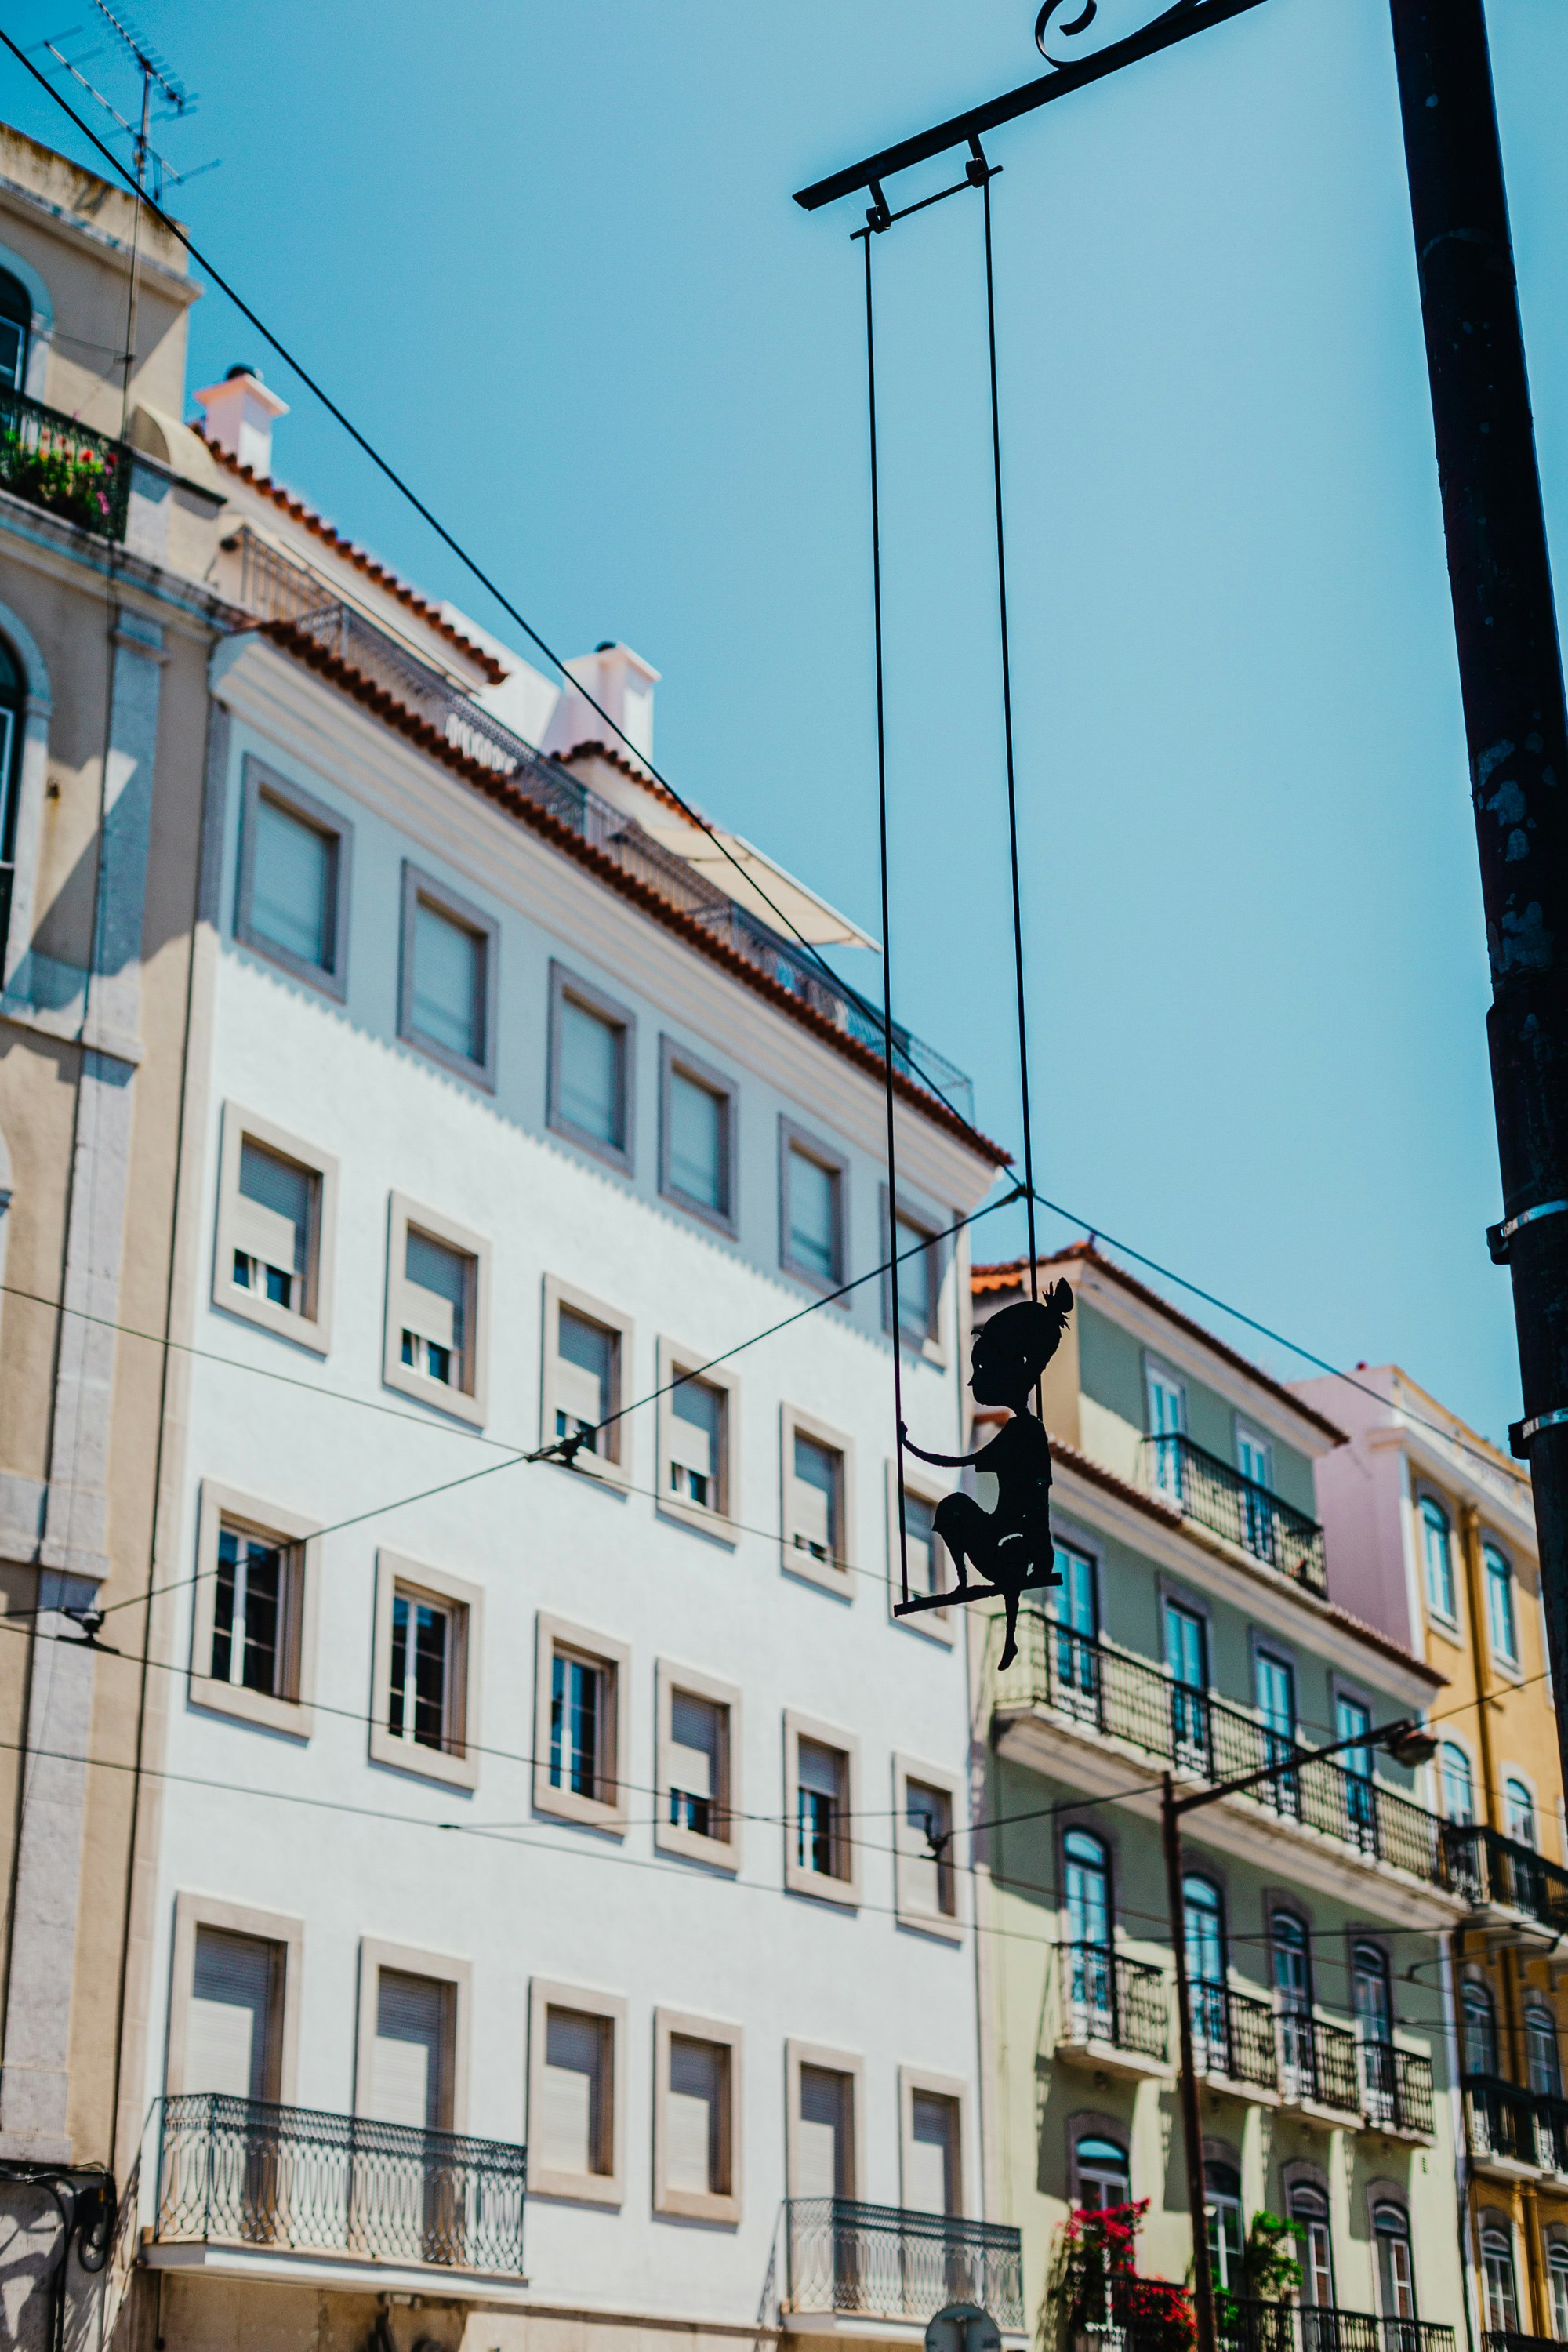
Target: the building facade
pixel 1195 1632
pixel 1432 1528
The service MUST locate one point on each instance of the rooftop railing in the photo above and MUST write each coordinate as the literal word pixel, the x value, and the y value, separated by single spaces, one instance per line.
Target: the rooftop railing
pixel 1491 1868
pixel 1120 1696
pixel 276 588
pixel 1209 1490
pixel 1120 2001
pixel 246 2172
pixel 888 2261
pixel 63 467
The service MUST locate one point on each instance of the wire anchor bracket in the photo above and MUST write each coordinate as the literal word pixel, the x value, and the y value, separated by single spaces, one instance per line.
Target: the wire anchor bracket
pixel 1499 1237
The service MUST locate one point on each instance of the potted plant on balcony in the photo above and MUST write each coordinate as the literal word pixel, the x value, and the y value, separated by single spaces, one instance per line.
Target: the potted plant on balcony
pixel 1095 2300
pixel 1257 2317
pixel 61 475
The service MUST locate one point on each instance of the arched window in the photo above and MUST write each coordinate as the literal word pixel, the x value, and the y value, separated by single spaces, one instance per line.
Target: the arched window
pixel 1309 2208
pixel 1497 2270
pixel 1519 1811
pixel 1103 2178
pixel 1203 1910
pixel 1479 2033
pixel 1373 2008
pixel 1396 2276
pixel 1557 2280
pixel 1222 2203
pixel 12 704
pixel 15 318
pixel 1502 1629
pixel 1293 1984
pixel 1457 1783
pixel 1091 1967
pixel 1438 1548
pixel 1542 2060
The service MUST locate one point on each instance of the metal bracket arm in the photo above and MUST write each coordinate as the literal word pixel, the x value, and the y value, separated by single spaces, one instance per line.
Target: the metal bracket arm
pixel 1498 1237
pixel 1520 1433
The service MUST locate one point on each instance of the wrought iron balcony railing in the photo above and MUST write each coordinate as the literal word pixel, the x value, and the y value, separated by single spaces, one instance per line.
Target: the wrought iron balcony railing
pixel 1112 1999
pixel 1491 1868
pixel 1113 1693
pixel 1317 2064
pixel 245 2172
pixel 1248 2326
pixel 1509 2339
pixel 1324 2328
pixel 63 467
pixel 276 589
pixel 1505 2121
pixel 1209 1489
pixel 888 2261
pixel 1396 2088
pixel 1233 2036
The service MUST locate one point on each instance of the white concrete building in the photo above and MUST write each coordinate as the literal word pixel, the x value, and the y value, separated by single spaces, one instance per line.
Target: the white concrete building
pixel 490 1804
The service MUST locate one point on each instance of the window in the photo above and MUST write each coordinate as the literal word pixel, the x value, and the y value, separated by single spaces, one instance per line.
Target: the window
pixel 1203 1910
pixel 1309 2209
pixel 446 984
pixel 1167 1404
pixel 294 860
pixel 698 1755
pixel 1089 1959
pixel 816 1502
pixel 821 1857
pixel 1186 1659
pixel 15 318
pixel 1519 1811
pixel 696 2142
pixel 427 1628
pixel 925 1877
pixel 1222 2203
pixel 813 1179
pixel 1502 1628
pixel 233 2000
pixel 1255 1460
pixel 277 1206
pixel 590 1089
pixel 437 1311
pixel 1455 1783
pixel 1557 2281
pixel 1293 1993
pixel 587 1349
pixel 1438 1552
pixel 1497 2271
pixel 928 1562
pixel 1074 1607
pixel 1478 2013
pixel 411 2062
pixel 576 2093
pixel 1274 1685
pixel 695 1136
pixel 920 1255
pixel 1370 1990
pixel 822 2088
pixel 12 720
pixel 1395 2275
pixel 1543 2065
pixel 252 1647
pixel 578 1734
pixel 1104 2178
pixel 1352 1718
pixel 696 1437
pixel 932 2167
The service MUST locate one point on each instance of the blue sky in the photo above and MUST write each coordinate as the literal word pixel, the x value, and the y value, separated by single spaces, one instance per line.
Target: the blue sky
pixel 546 257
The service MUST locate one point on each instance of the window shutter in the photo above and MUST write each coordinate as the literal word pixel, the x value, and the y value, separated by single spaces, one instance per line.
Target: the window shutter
pixel 695 1410
pixel 585 1367
pixel 272 1214
pixel 694 1736
pixel 824 2167
pixel 694 2117
pixel 229 2035
pixel 436 1291
pixel 571 2130
pixel 820 1769
pixel 933 2131
pixel 408 2065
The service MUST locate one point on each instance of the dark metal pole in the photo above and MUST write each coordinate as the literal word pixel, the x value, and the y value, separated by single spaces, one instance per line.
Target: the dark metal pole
pixel 1511 675
pixel 1192 2128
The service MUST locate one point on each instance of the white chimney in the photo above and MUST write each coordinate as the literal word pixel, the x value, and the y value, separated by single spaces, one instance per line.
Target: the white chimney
pixel 622 684
pixel 239 417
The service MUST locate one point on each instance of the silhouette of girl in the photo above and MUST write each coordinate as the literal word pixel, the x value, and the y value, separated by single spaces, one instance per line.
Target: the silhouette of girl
pixel 1011 1546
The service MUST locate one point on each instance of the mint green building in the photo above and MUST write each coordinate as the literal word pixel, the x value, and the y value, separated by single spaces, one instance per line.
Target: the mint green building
pixel 1194 1633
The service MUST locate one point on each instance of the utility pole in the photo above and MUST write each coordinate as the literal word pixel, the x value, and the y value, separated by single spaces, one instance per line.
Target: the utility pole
pixel 1516 728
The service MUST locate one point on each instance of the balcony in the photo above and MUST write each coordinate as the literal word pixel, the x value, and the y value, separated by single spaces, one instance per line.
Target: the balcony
pixel 887 2262
pixel 1308 2327
pixel 1115 2010
pixel 1209 1490
pixel 292 2180
pixel 1113 1694
pixel 280 592
pixel 63 467
pixel 1397 2090
pixel 1501 2339
pixel 1514 2134
pixel 1233 2040
pixel 1508 1881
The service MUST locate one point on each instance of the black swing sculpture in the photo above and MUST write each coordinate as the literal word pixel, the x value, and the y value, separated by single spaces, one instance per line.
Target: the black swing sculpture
pixel 1010 1546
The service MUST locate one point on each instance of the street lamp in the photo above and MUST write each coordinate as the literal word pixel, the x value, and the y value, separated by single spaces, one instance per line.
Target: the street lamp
pixel 1409 1744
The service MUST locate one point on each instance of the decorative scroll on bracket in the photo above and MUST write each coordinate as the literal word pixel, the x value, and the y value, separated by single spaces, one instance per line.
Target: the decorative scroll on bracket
pixel 1066 30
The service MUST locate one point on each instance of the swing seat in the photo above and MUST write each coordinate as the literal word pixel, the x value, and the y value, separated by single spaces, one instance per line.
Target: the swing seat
pixel 960 1595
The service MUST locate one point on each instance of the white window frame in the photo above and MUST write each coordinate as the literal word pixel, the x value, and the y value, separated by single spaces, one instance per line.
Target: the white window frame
pixel 937 2086
pixel 673 1060
pixel 311 1327
pixel 466 1602
pixel 289 1714
pixel 469 1402
pixel 614 1465
pixel 935 1624
pixel 1424 1495
pixel 690 2204
pixel 798 1880
pixel 565 983
pixel 793 1138
pixel 462 913
pixel 836 1576
pixel 192 1911
pixel 260 782
pixel 716 1520
pixel 1511 1669
pixel 930 1347
pixel 609 1813
pixel 409 1961
pixel 910 1913
pixel 717 1853
pixel 838 2061
pixel 580 2187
